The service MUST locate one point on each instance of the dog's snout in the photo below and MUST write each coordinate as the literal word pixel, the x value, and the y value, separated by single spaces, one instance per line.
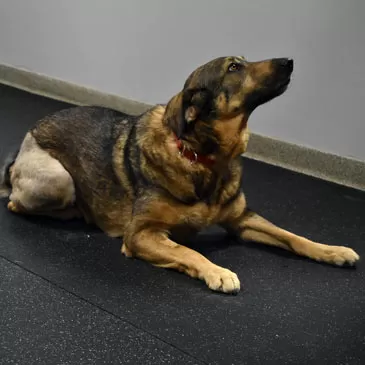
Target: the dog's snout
pixel 285 63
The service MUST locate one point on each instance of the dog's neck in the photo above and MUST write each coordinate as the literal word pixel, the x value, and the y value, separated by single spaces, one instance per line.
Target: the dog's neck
pixel 192 156
pixel 218 140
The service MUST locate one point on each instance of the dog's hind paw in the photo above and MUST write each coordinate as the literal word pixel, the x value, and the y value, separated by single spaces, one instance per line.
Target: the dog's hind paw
pixel 126 251
pixel 13 207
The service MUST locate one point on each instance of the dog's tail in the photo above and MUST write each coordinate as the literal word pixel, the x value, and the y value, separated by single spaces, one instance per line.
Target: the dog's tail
pixel 5 183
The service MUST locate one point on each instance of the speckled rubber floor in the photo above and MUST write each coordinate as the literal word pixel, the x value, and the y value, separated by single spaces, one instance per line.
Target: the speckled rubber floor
pixel 67 296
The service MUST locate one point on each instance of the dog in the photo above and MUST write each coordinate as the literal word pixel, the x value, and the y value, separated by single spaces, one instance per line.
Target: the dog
pixel 153 179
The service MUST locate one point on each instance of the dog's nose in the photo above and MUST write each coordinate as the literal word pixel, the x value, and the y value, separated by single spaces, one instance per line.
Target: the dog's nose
pixel 286 63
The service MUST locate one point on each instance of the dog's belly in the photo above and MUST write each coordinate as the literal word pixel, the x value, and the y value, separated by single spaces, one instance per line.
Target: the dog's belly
pixel 114 217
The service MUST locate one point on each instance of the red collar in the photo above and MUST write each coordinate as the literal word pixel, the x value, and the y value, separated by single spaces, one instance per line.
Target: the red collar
pixel 193 156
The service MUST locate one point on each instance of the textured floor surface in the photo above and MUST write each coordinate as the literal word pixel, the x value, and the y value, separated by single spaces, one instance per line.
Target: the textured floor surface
pixel 67 296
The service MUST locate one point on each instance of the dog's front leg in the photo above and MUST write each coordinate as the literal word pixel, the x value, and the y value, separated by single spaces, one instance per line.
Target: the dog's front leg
pixel 154 246
pixel 249 226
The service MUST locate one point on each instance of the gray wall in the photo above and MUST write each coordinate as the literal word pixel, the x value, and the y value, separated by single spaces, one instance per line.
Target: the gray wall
pixel 145 49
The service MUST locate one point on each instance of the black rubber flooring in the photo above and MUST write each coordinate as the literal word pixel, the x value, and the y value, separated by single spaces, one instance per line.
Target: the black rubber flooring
pixel 67 296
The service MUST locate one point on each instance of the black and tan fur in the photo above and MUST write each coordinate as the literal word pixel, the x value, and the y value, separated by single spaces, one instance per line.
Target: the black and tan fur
pixel 126 174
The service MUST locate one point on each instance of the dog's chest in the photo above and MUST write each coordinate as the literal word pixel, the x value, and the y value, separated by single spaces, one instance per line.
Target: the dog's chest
pixel 194 219
pixel 200 215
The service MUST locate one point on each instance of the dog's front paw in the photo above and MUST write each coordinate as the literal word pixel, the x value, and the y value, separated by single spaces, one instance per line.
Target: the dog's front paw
pixel 223 280
pixel 339 255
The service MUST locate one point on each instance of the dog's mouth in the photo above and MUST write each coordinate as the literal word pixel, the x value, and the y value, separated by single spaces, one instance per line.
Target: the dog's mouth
pixel 266 94
pixel 283 84
pixel 284 70
pixel 281 87
pixel 273 86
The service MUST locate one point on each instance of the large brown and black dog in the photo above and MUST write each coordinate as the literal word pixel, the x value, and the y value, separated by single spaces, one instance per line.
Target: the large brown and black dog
pixel 152 178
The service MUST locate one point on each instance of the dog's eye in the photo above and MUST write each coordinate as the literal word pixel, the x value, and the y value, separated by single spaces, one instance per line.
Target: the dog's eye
pixel 234 67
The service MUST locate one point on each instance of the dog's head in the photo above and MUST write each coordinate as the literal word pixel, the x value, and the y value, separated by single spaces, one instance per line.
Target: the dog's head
pixel 219 96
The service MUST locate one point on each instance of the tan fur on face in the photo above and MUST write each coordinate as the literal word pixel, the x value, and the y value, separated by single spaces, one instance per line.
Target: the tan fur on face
pixel 261 69
pixel 256 72
pixel 228 109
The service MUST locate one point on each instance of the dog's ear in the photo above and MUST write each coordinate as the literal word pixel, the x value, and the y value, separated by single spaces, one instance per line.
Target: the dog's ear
pixel 185 108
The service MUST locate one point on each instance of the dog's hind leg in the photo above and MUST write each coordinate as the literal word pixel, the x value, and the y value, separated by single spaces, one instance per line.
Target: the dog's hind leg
pixel 40 184
pixel 62 214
